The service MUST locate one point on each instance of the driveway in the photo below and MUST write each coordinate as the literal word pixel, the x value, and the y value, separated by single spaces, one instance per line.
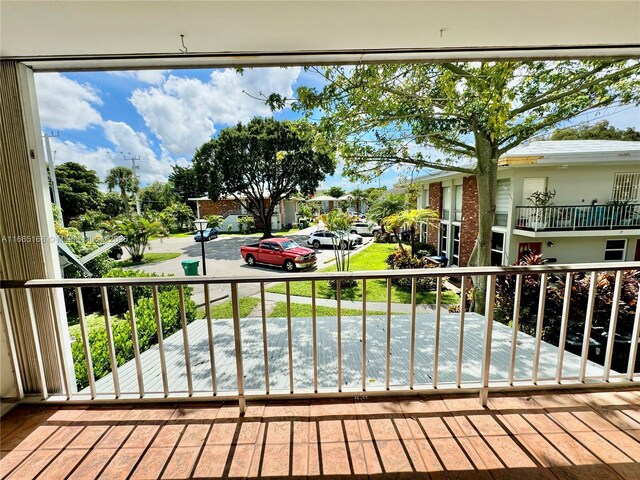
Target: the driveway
pixel 223 259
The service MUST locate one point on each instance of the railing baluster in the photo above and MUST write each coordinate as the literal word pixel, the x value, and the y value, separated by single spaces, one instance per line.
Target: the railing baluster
pixel 463 308
pixel 539 325
pixel 388 369
pixel 586 339
pixel 212 356
pixel 436 346
pixel 339 320
pixel 12 344
pixel 265 349
pixel 566 303
pixel 59 346
pixel 515 326
pixel 163 361
pixel 235 305
pixel 85 341
pixel 289 337
pixel 488 333
pixel 134 340
pixel 613 322
pixel 364 335
pixel 110 345
pixel 314 327
pixel 412 346
pixel 633 349
pixel 185 341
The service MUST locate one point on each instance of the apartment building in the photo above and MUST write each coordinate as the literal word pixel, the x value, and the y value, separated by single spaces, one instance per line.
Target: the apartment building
pixel 593 217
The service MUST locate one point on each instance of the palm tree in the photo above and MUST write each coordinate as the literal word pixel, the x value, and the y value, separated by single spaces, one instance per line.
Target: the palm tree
pixel 136 232
pixel 412 219
pixel 357 199
pixel 123 179
pixel 339 223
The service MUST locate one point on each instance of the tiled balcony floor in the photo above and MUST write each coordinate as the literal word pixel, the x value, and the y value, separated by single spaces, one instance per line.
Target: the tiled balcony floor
pixel 552 435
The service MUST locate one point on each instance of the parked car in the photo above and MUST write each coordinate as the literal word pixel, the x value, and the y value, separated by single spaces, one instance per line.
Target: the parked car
pixel 326 238
pixel 281 252
pixel 365 228
pixel 115 252
pixel 208 234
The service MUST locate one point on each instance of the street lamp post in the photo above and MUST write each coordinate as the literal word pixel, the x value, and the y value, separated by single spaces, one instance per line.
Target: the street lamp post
pixel 201 225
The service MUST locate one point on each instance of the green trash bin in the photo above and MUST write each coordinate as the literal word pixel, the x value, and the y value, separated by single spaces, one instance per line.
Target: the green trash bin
pixel 190 267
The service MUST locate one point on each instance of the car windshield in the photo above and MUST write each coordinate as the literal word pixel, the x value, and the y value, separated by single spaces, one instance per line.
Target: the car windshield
pixel 289 245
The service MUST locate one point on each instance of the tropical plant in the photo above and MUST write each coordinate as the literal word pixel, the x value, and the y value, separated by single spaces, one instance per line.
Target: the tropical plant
pixel 411 220
pixel 87 221
pixel 265 158
pixel 339 223
pixel 245 224
pixel 214 221
pixel 399 260
pixel 136 232
pixel 180 214
pixel 124 180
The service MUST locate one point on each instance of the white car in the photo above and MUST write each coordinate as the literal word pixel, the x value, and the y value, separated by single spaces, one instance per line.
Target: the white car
pixel 326 238
pixel 365 228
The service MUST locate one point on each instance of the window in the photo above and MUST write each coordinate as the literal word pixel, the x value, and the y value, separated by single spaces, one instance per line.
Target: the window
pixel 626 187
pixel 455 258
pixel 497 248
pixel 458 203
pixel 443 239
pixel 425 197
pixel 446 203
pixel 503 202
pixel 614 250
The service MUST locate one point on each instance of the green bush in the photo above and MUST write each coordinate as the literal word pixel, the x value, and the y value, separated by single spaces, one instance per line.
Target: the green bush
pixel 169 301
pixel 400 261
pixel 118 303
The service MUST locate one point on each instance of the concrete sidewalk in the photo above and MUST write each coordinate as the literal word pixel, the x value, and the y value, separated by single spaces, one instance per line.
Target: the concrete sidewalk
pixel 326 302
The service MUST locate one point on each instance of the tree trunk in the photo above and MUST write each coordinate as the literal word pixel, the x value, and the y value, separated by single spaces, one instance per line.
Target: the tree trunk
pixel 266 220
pixel 413 241
pixel 486 174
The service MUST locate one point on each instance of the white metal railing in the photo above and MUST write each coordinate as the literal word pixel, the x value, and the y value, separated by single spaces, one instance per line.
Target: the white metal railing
pixel 465 275
pixel 578 217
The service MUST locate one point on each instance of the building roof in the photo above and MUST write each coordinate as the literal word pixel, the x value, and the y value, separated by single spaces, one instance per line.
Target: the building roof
pixel 550 152
pixel 572 147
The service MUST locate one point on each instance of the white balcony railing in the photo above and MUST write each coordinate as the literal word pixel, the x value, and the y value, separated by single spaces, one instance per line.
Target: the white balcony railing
pixel 381 353
pixel 578 217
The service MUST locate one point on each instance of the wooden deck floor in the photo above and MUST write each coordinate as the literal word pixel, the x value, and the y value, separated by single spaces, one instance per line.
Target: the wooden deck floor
pixel 351 355
pixel 576 436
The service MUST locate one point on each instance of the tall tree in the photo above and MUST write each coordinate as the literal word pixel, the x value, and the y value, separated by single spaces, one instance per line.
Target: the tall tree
pixel 265 159
pixel 335 191
pixel 387 115
pixel 599 131
pixel 124 180
pixel 188 182
pixel 78 189
pixel 157 196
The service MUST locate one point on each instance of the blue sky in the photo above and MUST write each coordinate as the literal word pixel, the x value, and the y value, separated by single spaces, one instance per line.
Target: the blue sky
pixel 163 116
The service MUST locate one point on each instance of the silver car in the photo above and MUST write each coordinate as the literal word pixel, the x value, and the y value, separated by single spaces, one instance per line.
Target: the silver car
pixel 327 238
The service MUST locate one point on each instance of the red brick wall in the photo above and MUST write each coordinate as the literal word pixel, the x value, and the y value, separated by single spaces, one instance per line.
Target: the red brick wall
pixel 219 207
pixel 435 203
pixel 469 224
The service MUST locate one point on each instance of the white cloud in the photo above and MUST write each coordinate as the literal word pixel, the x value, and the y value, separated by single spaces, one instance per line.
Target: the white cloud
pixel 185 112
pixel 153 77
pixel 131 143
pixel 101 159
pixel 66 104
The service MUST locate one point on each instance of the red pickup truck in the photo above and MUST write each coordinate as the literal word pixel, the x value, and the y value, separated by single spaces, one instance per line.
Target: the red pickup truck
pixel 282 252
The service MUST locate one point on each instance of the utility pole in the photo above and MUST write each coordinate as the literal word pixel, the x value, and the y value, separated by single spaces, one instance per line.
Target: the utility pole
pixel 52 173
pixel 134 169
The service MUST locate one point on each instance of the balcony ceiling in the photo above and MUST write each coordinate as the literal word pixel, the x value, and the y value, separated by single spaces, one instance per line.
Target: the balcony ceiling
pixel 106 34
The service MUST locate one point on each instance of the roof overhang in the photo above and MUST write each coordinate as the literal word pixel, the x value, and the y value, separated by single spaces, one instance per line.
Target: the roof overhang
pixel 100 34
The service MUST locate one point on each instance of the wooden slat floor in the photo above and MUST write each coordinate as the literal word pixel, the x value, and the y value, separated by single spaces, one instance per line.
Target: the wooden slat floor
pixel 253 356
pixel 526 436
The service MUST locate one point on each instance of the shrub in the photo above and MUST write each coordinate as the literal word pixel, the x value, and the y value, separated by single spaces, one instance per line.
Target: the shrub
pixel 399 260
pixel 169 301
pixel 346 283
pixel 118 303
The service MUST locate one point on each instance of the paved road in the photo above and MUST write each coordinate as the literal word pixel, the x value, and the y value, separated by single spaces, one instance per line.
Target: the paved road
pixel 223 259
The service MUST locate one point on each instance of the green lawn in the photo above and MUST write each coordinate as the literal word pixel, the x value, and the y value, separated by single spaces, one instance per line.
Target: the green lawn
pixel 149 258
pixel 224 310
pixel 372 258
pixel 304 310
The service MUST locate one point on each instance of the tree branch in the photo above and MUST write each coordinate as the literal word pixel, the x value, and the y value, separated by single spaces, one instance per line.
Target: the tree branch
pixel 415 161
